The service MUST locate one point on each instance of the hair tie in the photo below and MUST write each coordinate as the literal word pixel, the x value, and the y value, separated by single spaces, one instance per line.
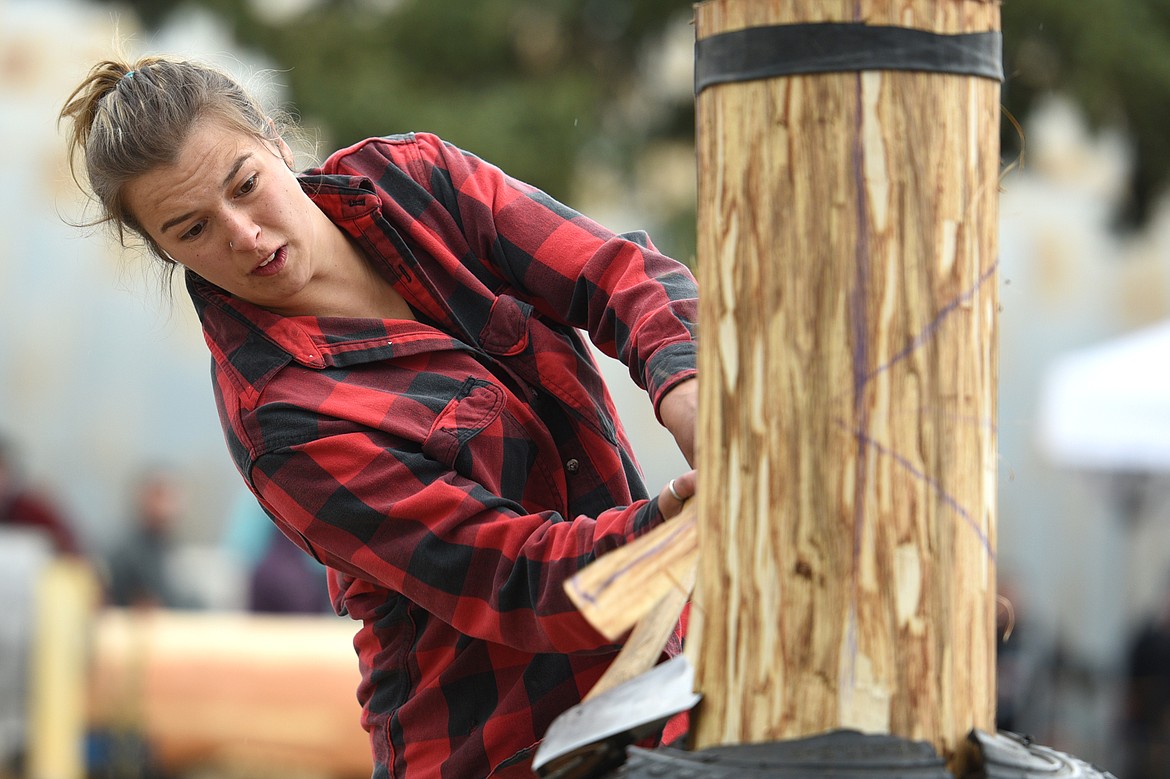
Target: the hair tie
pixel 129 74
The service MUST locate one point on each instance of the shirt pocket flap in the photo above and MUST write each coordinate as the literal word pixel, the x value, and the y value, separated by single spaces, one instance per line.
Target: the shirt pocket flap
pixel 506 331
pixel 476 406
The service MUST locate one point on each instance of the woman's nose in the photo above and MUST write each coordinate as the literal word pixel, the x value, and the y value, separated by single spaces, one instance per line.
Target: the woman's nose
pixel 243 235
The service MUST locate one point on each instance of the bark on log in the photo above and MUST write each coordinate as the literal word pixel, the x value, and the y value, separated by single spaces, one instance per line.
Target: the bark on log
pixel 847 252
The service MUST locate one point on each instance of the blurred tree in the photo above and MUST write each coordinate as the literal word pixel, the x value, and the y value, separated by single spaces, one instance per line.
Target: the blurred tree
pixel 530 84
pixel 524 83
pixel 1113 58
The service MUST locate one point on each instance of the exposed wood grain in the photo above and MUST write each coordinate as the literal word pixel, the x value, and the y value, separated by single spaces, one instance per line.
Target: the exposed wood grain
pixel 847 253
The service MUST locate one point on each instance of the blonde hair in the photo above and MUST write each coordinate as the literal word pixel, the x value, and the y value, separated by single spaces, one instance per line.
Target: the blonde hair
pixel 128 119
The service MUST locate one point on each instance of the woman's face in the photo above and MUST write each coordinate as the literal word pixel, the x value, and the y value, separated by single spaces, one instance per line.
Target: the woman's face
pixel 230 209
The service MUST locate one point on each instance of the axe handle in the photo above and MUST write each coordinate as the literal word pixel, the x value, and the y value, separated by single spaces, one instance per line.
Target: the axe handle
pixel 618 589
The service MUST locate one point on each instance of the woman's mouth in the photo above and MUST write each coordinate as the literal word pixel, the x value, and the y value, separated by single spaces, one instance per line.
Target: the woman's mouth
pixel 273 263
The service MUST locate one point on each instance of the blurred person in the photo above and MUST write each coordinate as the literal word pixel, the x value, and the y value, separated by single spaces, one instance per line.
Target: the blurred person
pixel 403 384
pixel 281 578
pixel 287 581
pixel 23 506
pixel 139 567
pixel 1146 715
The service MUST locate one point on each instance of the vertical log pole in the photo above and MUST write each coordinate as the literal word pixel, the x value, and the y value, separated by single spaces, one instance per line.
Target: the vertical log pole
pixel 847 251
pixel 67 594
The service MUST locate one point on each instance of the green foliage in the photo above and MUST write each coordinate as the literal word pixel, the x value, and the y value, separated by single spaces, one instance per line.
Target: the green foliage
pixel 1113 58
pixel 524 83
pixel 530 84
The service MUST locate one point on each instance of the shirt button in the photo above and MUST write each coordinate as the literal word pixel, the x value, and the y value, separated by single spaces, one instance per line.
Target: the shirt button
pixel 572 466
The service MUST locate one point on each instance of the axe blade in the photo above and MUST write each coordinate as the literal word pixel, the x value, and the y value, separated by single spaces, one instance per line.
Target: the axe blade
pixel 591 737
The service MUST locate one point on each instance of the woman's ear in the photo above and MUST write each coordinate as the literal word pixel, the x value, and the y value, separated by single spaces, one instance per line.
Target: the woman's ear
pixel 285 152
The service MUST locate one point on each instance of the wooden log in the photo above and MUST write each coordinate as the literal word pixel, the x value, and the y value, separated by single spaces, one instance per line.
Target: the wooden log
pixel 247 694
pixel 847 445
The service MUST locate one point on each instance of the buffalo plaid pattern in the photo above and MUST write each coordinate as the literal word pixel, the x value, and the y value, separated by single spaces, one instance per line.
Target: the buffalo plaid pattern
pixel 454 471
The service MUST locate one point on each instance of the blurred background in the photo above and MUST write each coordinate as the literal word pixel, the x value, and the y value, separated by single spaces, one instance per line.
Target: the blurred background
pixel 109 436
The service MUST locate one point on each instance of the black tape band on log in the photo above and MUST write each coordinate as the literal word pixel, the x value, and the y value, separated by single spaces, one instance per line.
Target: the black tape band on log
pixel 831 47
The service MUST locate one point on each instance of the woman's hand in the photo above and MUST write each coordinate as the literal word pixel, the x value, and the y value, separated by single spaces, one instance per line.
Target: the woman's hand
pixel 678 410
pixel 676 492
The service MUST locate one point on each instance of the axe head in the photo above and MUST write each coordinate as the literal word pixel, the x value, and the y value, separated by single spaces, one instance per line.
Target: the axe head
pixel 591 738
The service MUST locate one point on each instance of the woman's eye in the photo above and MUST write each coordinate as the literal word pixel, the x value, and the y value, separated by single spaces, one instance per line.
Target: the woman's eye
pixel 248 185
pixel 195 231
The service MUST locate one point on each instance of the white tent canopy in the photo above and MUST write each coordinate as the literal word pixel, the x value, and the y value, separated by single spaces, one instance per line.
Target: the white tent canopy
pixel 1107 406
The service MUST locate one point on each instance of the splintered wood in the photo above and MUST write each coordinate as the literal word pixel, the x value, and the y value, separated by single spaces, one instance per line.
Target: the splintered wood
pixel 847 256
pixel 622 587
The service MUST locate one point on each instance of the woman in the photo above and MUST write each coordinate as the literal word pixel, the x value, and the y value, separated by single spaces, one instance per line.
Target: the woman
pixel 402 385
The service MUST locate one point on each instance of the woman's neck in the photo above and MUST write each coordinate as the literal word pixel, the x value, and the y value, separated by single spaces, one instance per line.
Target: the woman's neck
pixel 350 286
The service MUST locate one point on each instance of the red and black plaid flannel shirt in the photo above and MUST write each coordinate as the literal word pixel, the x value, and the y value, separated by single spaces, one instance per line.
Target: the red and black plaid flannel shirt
pixel 453 472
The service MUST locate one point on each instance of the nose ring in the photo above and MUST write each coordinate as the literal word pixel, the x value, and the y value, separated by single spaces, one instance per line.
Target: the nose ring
pixel 231 245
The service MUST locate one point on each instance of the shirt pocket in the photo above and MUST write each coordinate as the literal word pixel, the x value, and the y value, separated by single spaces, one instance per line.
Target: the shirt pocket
pixel 475 409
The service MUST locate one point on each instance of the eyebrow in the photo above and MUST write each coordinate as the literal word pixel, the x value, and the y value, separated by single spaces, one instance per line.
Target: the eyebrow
pixel 231 174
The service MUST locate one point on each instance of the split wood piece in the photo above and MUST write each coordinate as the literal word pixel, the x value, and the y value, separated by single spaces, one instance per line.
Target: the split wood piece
pixel 646 641
pixel 620 588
